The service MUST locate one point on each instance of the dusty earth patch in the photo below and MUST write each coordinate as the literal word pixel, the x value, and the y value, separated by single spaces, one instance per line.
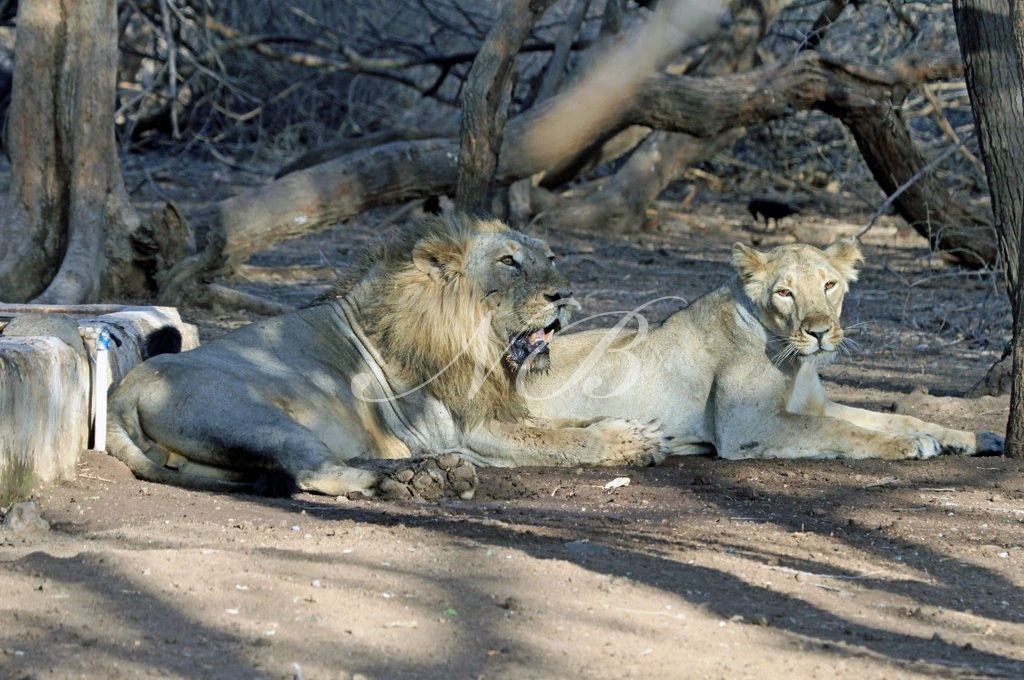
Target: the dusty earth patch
pixel 698 568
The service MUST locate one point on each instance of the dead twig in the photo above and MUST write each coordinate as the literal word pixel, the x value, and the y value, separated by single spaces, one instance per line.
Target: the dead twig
pixel 884 207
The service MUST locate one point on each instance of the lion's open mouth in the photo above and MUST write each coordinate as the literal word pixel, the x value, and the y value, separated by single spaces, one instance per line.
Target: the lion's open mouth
pixel 532 343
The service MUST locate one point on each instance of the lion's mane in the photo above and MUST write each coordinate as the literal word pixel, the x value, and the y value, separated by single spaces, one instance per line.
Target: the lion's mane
pixel 431 321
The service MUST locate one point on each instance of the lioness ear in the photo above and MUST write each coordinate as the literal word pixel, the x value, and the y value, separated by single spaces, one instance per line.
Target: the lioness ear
pixel 846 257
pixel 747 261
pixel 438 258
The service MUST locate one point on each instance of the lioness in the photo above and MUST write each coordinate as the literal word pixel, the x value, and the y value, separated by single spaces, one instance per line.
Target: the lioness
pixel 415 353
pixel 735 371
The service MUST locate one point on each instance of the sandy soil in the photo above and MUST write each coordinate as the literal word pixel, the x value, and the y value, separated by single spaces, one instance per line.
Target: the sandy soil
pixel 699 568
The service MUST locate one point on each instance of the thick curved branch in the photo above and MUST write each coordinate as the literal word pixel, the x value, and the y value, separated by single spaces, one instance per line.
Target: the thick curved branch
pixel 703 107
pixel 708 106
pixel 861 97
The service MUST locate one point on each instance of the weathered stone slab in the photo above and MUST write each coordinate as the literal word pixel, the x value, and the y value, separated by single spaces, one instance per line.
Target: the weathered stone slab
pixel 44 408
pixel 46 369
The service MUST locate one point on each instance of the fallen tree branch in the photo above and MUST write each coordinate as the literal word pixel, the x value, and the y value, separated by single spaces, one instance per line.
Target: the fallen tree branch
pixel 618 203
pixel 323 195
pixel 707 106
pixel 316 198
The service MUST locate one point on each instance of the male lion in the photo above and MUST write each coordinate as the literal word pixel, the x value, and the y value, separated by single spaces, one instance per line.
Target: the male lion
pixel 735 371
pixel 415 353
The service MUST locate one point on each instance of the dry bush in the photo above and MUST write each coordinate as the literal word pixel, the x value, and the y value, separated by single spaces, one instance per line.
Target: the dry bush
pixel 256 74
pixel 811 157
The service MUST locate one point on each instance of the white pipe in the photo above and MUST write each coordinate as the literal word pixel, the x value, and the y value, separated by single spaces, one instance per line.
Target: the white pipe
pixel 100 383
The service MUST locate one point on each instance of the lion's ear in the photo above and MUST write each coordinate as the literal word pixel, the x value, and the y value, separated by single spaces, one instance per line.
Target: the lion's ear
pixel 441 260
pixel 846 257
pixel 748 262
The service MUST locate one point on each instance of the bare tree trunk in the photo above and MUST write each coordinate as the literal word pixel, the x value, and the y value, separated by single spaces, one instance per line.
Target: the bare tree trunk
pixel 991 35
pixel 993 73
pixel 1015 223
pixel 992 67
pixel 485 100
pixel 31 245
pixel 554 72
pixel 67 193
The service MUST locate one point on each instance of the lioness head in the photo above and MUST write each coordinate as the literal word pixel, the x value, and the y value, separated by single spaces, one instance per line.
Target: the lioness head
pixel 798 292
pixel 462 305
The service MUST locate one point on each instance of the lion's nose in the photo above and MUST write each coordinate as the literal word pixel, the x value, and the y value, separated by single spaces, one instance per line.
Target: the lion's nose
pixel 555 296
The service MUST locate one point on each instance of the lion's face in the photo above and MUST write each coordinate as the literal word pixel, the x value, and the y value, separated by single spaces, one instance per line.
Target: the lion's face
pixel 528 298
pixel 798 291
pixel 508 281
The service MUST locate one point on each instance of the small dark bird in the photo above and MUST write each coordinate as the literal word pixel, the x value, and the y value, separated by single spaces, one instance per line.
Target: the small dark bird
pixel 770 208
pixel 432 205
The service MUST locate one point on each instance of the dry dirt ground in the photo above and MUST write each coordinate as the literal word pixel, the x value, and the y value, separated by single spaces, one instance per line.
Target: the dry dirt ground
pixel 699 568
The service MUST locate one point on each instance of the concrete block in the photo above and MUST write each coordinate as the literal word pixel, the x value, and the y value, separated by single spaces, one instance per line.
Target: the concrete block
pixel 44 411
pixel 46 396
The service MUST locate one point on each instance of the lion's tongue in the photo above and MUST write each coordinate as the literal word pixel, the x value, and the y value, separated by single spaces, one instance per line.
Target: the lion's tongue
pixel 539 339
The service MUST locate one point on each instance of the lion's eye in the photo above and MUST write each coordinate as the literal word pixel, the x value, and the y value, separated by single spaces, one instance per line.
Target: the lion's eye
pixel 829 285
pixel 784 293
pixel 551 259
pixel 509 261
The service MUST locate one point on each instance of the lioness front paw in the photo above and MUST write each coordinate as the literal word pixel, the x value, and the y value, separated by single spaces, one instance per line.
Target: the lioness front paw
pixel 630 442
pixel 429 479
pixel 989 444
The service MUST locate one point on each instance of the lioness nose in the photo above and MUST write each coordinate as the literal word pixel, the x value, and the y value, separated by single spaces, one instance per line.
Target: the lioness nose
pixel 816 333
pixel 555 296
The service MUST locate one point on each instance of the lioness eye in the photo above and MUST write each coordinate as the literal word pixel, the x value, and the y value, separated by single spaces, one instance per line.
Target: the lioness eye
pixel 829 285
pixel 510 261
pixel 784 292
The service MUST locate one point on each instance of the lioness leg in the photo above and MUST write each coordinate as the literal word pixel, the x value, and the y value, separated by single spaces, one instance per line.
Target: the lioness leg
pixel 789 435
pixel 604 441
pixel 952 441
pixel 807 397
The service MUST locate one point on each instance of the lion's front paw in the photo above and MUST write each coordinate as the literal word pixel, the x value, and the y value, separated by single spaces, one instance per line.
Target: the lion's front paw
pixel 429 479
pixel 630 442
pixel 921 446
pixel 989 444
